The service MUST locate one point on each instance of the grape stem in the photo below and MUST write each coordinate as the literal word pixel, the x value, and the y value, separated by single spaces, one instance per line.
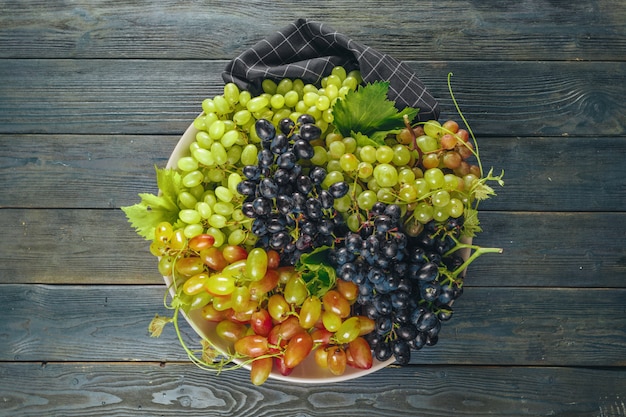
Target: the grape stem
pixel 477 251
pixel 420 154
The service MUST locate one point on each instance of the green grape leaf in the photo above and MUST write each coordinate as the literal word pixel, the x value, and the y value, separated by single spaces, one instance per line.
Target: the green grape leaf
pixel 471 224
pixel 368 111
pixel 316 271
pixel 153 209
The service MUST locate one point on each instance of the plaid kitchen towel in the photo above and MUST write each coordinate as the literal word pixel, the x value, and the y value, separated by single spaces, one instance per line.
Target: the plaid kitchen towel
pixel 309 50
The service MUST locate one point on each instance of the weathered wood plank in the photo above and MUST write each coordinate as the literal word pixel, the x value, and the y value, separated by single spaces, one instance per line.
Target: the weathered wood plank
pixel 99 247
pixel 491 326
pixel 129 389
pixel 541 174
pixel 531 30
pixel 162 96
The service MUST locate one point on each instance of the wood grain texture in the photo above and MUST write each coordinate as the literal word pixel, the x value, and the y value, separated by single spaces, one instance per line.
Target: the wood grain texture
pixel 501 30
pixel 491 326
pixel 68 96
pixel 140 389
pixel 99 247
pixel 541 174
pixel 94 94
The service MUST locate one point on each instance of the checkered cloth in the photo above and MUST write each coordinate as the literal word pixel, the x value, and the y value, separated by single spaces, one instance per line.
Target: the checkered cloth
pixel 309 50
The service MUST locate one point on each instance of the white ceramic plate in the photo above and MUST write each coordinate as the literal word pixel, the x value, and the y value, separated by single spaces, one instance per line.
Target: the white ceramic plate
pixel 308 372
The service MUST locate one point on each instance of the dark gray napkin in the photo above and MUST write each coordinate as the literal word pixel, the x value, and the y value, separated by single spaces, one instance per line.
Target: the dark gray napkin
pixel 309 50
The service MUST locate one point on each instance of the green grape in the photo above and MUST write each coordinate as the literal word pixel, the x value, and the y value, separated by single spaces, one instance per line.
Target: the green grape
pixel 434 178
pixel 199 123
pixel 350 144
pixel 277 101
pixel 204 209
pixel 372 184
pixel 209 198
pixel 291 99
pixel 350 82
pixel 219 153
pixel 269 86
pixel 189 216
pixel 221 105
pixel 208 106
pixel 354 222
pixel 192 179
pixel 407 193
pixel 244 97
pixel 193 230
pixel 331 178
pixel 217 220
pixel 249 155
pixel 187 163
pixel 218 235
pixel 406 176
pixel 422 187
pixel 231 93
pixel 186 200
pixel 366 200
pixel 215 175
pixel 223 194
pixel 451 182
pixel 257 104
pixel 204 140
pixel 233 180
pixel 401 155
pixel 242 117
pixel 236 237
pixel 469 180
pixel 433 129
pixel 237 215
pixel 203 156
pixel 322 103
pixel 455 208
pixel 230 138
pixel 197 191
pixel 340 72
pixel 223 208
pixel 427 143
pixel 440 214
pixel 332 92
pixel 386 175
pixel 368 154
pixel 284 86
pixel 216 130
pixel 320 156
pixel 310 98
pixel 334 165
pixel 343 204
pixel 336 149
pixel 385 195
pixel 423 213
pixel 348 162
pixel 298 86
pixel 365 170
pixel 234 154
pixel 384 154
pixel 301 107
pixel 441 198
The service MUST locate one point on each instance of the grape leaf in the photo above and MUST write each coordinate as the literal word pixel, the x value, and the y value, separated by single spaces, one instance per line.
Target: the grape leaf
pixel 316 271
pixel 153 209
pixel 368 111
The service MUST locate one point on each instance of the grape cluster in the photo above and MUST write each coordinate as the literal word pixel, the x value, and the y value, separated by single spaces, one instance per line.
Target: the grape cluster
pixel 292 212
pixel 400 279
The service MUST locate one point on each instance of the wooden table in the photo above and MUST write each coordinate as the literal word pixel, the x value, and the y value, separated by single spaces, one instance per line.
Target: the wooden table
pixel 94 94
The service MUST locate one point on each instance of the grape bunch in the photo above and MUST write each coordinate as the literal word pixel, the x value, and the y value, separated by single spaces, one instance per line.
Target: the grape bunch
pixel 291 212
pixel 400 279
pixel 296 235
